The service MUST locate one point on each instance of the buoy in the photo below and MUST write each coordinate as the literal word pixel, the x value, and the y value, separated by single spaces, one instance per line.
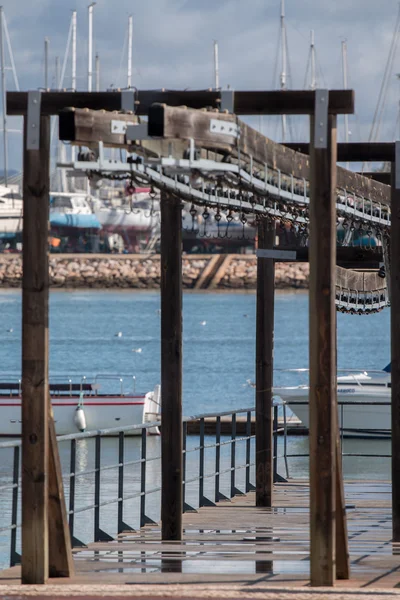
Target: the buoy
pixel 119 334
pixel 137 350
pixel 80 419
pixel 203 323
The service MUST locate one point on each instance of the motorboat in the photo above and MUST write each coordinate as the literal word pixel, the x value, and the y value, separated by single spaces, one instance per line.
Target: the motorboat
pixel 82 405
pixel 11 211
pixel 363 402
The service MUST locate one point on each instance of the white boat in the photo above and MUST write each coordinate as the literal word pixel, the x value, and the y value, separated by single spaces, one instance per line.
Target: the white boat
pixel 11 212
pixel 82 407
pixel 363 402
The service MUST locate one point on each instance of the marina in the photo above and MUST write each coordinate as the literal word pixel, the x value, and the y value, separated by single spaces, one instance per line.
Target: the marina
pixel 164 439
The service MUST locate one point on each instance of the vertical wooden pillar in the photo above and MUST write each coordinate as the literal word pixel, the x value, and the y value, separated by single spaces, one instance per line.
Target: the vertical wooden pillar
pixel 323 401
pixel 171 367
pixel 35 405
pixel 264 366
pixel 394 287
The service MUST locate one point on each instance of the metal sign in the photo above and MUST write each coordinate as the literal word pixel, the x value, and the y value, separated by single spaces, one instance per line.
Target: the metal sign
pixel 275 254
pixel 33 120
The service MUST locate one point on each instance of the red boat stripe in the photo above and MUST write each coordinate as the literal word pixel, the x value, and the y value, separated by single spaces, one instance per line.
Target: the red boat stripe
pixel 84 404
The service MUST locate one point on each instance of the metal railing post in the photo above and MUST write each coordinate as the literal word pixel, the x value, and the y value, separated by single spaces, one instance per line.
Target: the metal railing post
pixel 275 434
pixel 121 526
pixel 203 501
pixel 99 534
pixel 234 490
pixel 144 519
pixel 249 486
pixel 15 558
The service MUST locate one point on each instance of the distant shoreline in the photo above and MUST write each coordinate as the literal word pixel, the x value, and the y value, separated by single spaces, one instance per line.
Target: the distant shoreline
pixel 200 272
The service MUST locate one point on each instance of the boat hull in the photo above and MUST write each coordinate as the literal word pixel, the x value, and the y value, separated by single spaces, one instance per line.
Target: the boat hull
pixel 364 412
pixel 101 412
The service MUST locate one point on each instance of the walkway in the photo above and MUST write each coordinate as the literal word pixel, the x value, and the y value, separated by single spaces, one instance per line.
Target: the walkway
pixel 239 550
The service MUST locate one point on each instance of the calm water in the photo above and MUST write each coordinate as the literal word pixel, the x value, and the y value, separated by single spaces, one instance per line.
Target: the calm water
pixel 219 355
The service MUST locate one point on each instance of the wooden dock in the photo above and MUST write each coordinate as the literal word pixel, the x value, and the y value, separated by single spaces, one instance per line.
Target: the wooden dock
pixel 235 547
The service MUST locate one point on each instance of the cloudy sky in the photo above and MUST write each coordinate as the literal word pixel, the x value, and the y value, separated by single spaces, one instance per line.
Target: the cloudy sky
pixel 173 48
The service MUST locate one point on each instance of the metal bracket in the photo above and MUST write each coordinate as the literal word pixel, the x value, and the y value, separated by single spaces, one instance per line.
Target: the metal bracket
pixel 281 255
pixel 227 101
pixel 397 165
pixel 120 127
pixel 137 132
pixel 33 120
pixel 321 119
pixel 128 101
pixel 224 128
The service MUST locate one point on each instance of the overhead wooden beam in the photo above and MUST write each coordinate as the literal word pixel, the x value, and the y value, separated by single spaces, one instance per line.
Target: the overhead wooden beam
pixel 356 151
pixel 177 125
pixel 244 102
pixel 382 177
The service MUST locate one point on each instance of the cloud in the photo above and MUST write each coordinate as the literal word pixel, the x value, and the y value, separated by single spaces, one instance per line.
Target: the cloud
pixel 173 46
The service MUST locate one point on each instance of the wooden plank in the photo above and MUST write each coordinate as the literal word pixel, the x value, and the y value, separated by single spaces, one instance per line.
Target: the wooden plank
pixel 356 151
pixel 35 298
pixel 171 367
pixel 322 397
pixel 60 551
pixel 173 123
pixel 264 366
pixel 245 102
pixel 395 352
pixel 179 124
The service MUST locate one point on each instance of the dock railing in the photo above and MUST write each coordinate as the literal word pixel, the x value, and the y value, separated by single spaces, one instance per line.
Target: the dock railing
pixel 215 468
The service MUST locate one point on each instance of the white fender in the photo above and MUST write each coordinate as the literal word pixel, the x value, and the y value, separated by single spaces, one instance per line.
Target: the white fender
pixel 80 419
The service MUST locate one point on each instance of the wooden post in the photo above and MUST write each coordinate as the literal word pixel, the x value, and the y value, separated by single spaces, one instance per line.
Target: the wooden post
pixel 171 367
pixel 395 343
pixel 323 401
pixel 35 405
pixel 264 366
pixel 60 551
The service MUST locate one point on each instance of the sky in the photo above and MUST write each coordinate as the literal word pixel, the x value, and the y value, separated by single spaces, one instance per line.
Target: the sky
pixel 173 48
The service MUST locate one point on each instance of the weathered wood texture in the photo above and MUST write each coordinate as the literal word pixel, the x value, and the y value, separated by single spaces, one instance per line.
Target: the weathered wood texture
pixel 171 367
pixel 61 563
pixel 395 353
pixel 356 151
pixel 264 367
pixel 35 404
pixel 359 280
pixel 245 102
pixel 177 125
pixel 322 401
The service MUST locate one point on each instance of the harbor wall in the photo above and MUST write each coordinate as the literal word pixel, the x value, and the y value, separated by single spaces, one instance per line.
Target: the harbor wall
pixel 237 271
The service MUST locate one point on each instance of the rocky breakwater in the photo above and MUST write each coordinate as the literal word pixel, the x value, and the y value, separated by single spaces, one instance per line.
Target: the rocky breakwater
pixel 143 272
pixel 241 273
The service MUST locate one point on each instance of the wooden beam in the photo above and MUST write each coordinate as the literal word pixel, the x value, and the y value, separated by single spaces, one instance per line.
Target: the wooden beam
pixel 244 102
pixel 349 257
pixel 356 151
pixel 264 367
pixel 177 125
pixel 171 368
pixel 61 563
pixel 322 397
pixel 395 351
pixel 382 177
pixel 35 298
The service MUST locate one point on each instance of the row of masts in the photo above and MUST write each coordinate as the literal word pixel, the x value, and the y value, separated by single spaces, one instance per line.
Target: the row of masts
pixel 71 48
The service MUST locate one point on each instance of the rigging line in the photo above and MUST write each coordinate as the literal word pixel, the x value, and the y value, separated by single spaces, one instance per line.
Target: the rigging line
pixel 11 55
pixel 122 59
pixel 305 86
pixel 383 107
pixel 385 75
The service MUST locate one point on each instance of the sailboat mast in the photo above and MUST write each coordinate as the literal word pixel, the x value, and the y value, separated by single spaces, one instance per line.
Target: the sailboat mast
pixel 216 65
pixel 284 63
pixel 345 84
pixel 73 74
pixel 90 46
pixel 3 95
pixel 130 44
pixel 97 69
pixel 313 84
pixel 46 63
